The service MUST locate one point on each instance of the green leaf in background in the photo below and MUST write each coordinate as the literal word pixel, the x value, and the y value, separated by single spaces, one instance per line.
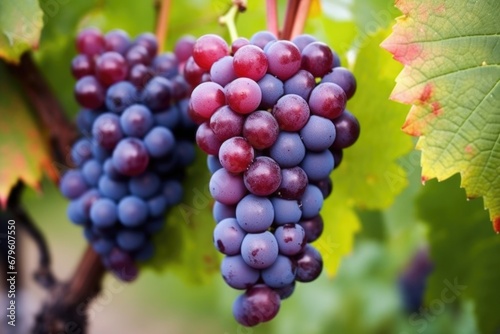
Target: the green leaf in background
pixel 185 244
pixel 369 176
pixel 451 53
pixel 24 155
pixel 20 25
pixel 464 252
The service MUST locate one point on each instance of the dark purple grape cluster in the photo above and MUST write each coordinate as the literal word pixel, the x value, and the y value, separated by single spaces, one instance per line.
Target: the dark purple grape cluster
pixel 272 118
pixel 137 141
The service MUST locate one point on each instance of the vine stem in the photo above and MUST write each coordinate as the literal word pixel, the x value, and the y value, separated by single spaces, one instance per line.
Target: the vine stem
pixel 163 8
pixel 300 18
pixel 272 16
pixel 229 20
pixel 291 13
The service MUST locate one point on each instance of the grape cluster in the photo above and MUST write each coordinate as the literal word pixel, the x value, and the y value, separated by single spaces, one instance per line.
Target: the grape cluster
pixel 137 141
pixel 273 122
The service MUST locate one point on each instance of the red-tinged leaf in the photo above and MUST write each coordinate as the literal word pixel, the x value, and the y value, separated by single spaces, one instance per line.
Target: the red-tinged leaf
pixel 24 155
pixel 451 53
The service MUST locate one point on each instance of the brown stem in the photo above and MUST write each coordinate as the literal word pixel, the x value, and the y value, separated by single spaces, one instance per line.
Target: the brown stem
pixel 300 18
pixel 291 13
pixel 62 132
pixel 163 10
pixel 272 16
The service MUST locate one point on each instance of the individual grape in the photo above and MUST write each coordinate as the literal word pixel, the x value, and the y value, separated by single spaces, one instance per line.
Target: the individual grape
pixel 193 72
pixel 284 59
pixel 327 100
pixel 213 163
pixel 313 228
pixel 103 246
pixel 272 89
pixel 325 185
pixel 117 40
pixel 111 67
pixel 207 140
pixel 120 95
pixel 259 250
pixel 139 75
pixel 250 62
pixel 312 201
pixel 338 154
pixel 243 95
pixel 285 291
pixel 81 151
pixel 293 183
pixel 348 130
pixel 149 42
pixel 82 65
pixel 285 211
pixel 138 54
pixel 89 93
pixel 76 213
pixel 173 192
pixel 222 71
pixel 157 93
pixel 110 170
pixel 236 154
pixel 292 112
pixel 107 131
pixel 222 211
pixel 92 171
pixel 228 236
pixel 85 119
pixel 90 42
pixel 225 123
pixel 206 98
pixel 157 205
pixel 291 239
pixel 254 213
pixel 344 78
pixel 166 65
pixel 238 43
pixel 237 274
pixel 100 153
pixel 303 40
pixel 132 211
pixel 73 184
pixel 309 264
pixel 136 120
pixel 159 142
pixel 318 134
pixel 183 48
pixel 261 38
pixel 186 153
pixel 227 188
pixel 208 49
pixel 302 84
pixel 103 213
pixel 258 304
pixel 114 189
pixel 169 118
pixel 288 150
pixel 130 157
pixel 121 264
pixel 317 165
pixel 317 58
pixel 129 240
pixel 261 129
pixel 144 185
pixel 280 274
pixel 263 177
pixel 180 88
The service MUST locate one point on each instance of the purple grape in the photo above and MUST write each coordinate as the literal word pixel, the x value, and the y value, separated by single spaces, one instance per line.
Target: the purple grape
pixel 303 40
pixel 284 59
pixel 236 154
pixel 121 264
pixel 207 140
pixel 261 129
pixel 73 184
pixel 291 239
pixel 228 236
pixel 237 274
pixel 111 67
pixel 227 188
pixel 136 120
pixel 90 42
pixel 261 38
pixel 250 62
pixel 225 123
pixel 302 84
pixel 148 40
pixel 318 134
pixel 313 228
pixel 89 92
pixel 293 183
pixel 157 94
pixel 107 131
pixel 258 304
pixel 263 177
pixel 317 58
pixel 159 142
pixel 309 264
pixel 292 112
pixel 254 213
pixel 259 250
pixel 288 150
pixel 243 95
pixel 312 201
pixel 166 65
pixel 130 157
pixel 222 71
pixel 82 65
pixel 121 95
pixel 327 100
pixel 344 78
pixel 347 127
pixel 117 40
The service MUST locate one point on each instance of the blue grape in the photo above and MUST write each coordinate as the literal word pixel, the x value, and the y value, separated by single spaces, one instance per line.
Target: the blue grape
pixel 291 239
pixel 237 274
pixel 85 119
pixel 272 89
pixel 318 134
pixel 132 211
pixel 157 205
pixel 103 246
pixel 317 165
pixel 76 212
pixel 73 184
pixel 114 189
pixel 129 240
pixel 302 84
pixel 144 185
pixel 280 274
pixel 136 120
pixel 173 192
pixel 186 153
pixel 213 163
pixel 157 93
pixel 166 65
pixel 221 211
pixel 228 236
pixel 159 142
pixel 81 151
pixel 286 211
pixel 254 213
pixel 99 153
pixel 227 188
pixel 168 118
pixel 259 250
pixel 92 171
pixel 120 95
pixel 288 150
pixel 111 172
pixel 103 213
pixel 285 291
pixel 312 201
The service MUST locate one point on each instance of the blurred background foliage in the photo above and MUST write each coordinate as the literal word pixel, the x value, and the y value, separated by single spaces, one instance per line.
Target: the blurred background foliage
pixel 394 219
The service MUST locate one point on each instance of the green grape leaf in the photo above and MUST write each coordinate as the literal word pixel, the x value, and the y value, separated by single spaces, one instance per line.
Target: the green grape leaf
pixel 20 25
pixel 185 244
pixel 451 53
pixel 456 232
pixel 24 155
pixel 369 176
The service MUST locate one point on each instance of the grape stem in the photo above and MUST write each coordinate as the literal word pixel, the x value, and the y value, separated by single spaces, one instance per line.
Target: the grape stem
pixel 290 14
pixel 162 18
pixel 229 19
pixel 272 16
pixel 300 18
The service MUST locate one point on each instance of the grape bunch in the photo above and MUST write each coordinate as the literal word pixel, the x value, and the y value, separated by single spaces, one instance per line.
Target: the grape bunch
pixel 273 122
pixel 137 141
